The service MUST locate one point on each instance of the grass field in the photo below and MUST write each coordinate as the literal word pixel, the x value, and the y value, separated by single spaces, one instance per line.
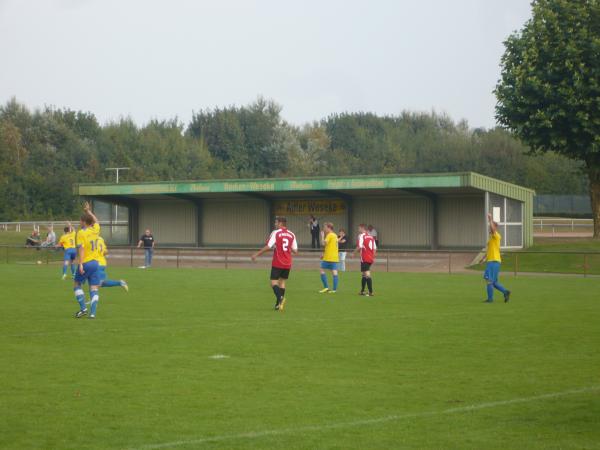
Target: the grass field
pixel 424 364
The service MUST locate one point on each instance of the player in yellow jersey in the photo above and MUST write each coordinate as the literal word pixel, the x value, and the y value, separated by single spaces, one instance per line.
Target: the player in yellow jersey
pixel 493 261
pixel 88 252
pixel 67 242
pixel 102 268
pixel 330 258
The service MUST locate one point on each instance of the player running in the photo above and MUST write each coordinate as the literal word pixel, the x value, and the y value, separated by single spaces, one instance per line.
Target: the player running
pixel 492 266
pixel 330 258
pixel 88 254
pixel 284 243
pixel 368 250
pixel 103 251
pixel 67 242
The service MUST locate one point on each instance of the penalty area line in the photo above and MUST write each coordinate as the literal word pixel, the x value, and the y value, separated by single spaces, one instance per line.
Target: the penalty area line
pixel 366 422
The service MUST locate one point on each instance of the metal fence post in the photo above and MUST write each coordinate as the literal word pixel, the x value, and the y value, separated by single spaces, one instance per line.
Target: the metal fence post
pixel 449 263
pixel 387 261
pixel 585 261
pixel 516 264
pixel 130 256
pixel 226 259
pixel 177 258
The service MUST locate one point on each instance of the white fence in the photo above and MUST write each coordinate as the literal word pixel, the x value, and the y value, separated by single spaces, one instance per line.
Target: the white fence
pixel 37 224
pixel 562 226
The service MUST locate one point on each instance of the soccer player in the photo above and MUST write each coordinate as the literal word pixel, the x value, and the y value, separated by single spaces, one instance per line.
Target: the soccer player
pixel 67 242
pixel 103 251
pixel 492 266
pixel 329 258
pixel 284 243
pixel 88 254
pixel 368 249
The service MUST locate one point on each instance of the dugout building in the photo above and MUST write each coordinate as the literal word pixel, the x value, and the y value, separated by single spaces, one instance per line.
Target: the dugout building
pixel 413 211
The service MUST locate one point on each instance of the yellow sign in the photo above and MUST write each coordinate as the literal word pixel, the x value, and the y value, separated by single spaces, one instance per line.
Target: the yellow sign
pixel 308 207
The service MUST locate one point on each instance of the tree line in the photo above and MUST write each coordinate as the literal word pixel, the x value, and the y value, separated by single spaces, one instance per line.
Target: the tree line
pixel 43 153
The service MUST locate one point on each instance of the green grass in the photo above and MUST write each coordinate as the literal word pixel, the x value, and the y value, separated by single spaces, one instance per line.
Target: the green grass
pixel 566 245
pixel 552 260
pixel 15 237
pixel 399 370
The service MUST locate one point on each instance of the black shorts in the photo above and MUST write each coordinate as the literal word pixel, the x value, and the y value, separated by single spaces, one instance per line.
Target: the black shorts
pixel 277 273
pixel 364 267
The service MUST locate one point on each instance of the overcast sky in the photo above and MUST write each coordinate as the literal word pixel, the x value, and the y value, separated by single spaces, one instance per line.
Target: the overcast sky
pixel 160 59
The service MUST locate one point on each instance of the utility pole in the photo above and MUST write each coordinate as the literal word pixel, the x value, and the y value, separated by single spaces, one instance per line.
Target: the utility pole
pixel 116 169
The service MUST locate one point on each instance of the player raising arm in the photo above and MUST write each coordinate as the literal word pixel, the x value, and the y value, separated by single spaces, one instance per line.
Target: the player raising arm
pixel 284 243
pixel 88 255
pixel 368 250
pixel 492 265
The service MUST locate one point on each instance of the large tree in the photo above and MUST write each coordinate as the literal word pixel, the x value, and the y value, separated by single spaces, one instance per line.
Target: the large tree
pixel 549 92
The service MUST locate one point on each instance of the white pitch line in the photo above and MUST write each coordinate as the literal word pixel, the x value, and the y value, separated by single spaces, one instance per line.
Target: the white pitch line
pixel 374 421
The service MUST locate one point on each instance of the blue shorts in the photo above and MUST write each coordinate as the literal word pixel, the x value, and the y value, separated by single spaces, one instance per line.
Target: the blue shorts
pixel 90 274
pixel 329 265
pixel 70 254
pixel 492 270
pixel 102 273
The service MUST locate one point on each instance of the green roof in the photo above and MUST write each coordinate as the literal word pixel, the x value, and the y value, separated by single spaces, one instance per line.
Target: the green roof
pixel 343 183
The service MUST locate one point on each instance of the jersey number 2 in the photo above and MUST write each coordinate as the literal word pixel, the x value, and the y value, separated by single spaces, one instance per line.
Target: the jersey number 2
pixel 285 244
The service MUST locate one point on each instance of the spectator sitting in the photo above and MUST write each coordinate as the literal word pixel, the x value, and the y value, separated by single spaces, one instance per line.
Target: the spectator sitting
pixel 50 238
pixel 34 239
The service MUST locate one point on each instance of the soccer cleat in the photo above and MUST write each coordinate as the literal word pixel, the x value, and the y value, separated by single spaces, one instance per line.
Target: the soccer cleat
pixel 331 292
pixel 371 294
pixel 64 277
pixel 488 301
pixel 124 285
pixel 362 293
pixel 507 297
pixel 79 314
pixel 92 316
pixel 282 305
pixel 324 291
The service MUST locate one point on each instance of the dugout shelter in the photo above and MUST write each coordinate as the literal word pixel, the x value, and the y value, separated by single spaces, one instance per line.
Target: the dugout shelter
pixel 409 211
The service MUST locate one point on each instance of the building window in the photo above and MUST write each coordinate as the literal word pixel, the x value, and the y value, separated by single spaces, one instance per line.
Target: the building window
pixel 509 215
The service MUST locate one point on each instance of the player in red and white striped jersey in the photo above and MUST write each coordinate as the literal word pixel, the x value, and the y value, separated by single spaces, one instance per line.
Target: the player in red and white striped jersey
pixel 284 244
pixel 368 249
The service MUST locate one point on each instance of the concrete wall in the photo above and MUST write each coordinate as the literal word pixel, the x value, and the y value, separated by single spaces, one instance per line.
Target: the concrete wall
pixel 231 223
pixel 461 221
pixel 399 221
pixel 403 221
pixel 171 221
